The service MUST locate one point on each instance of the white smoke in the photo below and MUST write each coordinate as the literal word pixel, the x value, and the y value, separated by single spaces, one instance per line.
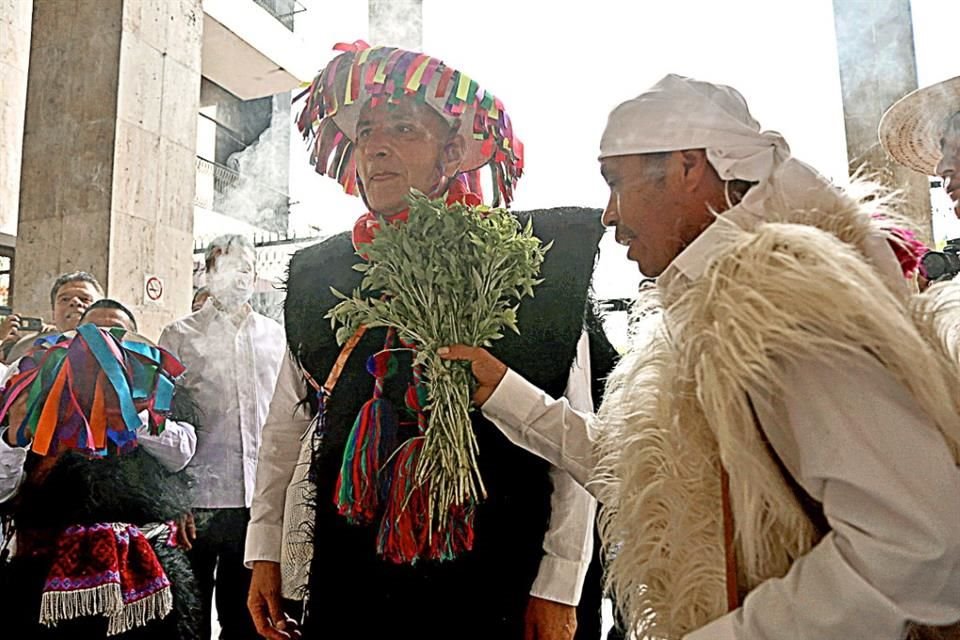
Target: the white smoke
pixel 397 23
pixel 257 191
pixel 252 195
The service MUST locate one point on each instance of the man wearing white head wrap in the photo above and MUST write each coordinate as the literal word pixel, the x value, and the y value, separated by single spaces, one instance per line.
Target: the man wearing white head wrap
pixel 678 113
pixel 778 458
pixel 702 119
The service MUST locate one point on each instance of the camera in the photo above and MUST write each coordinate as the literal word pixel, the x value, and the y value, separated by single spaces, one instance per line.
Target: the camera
pixel 31 324
pixel 942 265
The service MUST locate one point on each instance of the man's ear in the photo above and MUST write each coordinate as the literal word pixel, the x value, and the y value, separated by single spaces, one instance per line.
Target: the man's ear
pixel 451 158
pixel 694 168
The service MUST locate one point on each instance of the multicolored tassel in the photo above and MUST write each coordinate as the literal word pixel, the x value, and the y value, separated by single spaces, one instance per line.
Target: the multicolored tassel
pixel 404 530
pixel 371 440
pixel 358 486
pixel 405 536
pixel 456 537
pixel 375 471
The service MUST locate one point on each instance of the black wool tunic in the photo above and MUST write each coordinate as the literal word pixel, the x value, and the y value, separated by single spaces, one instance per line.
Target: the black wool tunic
pixel 482 593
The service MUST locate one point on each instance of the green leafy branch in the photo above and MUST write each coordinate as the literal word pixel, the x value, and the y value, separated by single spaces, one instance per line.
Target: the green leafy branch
pixel 450 274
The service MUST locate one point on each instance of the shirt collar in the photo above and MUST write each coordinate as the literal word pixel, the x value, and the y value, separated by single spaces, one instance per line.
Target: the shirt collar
pixel 213 309
pixel 236 316
pixel 692 262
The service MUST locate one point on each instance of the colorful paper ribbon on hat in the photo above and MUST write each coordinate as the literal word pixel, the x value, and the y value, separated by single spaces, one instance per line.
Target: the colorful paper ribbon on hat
pixel 387 74
pixel 85 391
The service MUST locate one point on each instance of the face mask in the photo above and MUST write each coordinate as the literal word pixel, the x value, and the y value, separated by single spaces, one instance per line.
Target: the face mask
pixel 233 295
pixel 231 284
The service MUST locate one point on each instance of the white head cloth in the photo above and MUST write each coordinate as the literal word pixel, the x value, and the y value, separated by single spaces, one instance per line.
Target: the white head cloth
pixel 679 113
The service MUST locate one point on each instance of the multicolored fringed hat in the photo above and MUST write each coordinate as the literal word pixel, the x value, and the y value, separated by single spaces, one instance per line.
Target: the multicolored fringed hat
pixel 363 73
pixel 85 389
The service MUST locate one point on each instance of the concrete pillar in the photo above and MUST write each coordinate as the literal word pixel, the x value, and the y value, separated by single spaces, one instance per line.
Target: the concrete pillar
pixel 877 67
pixel 108 173
pixel 396 23
pixel 14 60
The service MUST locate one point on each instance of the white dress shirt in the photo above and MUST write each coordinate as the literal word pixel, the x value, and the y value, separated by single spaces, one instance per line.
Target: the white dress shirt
pixel 232 361
pixel 856 441
pixel 567 544
pixel 174 447
pixel 12 474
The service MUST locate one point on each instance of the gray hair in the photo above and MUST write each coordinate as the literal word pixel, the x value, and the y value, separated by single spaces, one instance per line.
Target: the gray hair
pixel 224 244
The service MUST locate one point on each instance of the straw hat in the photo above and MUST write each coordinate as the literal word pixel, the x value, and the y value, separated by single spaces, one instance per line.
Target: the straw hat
pixel 363 73
pixel 911 129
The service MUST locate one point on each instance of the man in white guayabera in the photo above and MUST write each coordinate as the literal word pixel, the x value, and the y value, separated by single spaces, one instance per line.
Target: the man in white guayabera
pixel 232 357
pixel 779 458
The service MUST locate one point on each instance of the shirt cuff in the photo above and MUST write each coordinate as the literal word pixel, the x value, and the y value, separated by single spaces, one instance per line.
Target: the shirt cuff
pixel 10 451
pixel 12 473
pixel 512 402
pixel 720 629
pixel 262 544
pixel 560 580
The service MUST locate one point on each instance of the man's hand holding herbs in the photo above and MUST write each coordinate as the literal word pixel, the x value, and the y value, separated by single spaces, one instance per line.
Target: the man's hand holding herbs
pixel 487 370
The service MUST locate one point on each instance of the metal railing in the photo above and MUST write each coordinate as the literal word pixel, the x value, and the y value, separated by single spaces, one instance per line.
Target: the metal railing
pixel 283 10
pixel 270 239
pixel 225 180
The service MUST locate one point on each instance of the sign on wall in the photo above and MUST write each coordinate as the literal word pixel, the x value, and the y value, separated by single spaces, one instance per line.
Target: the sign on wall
pixel 153 289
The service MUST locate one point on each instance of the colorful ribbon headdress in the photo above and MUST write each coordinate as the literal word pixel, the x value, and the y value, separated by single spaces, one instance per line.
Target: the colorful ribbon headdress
pixel 333 101
pixel 85 389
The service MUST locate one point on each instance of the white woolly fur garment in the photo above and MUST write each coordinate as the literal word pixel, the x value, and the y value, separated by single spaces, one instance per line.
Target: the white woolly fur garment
pixel 793 285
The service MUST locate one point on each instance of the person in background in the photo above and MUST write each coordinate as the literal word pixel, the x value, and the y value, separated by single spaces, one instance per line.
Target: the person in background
pixel 107 313
pixel 97 550
pixel 921 131
pixel 70 296
pixel 232 356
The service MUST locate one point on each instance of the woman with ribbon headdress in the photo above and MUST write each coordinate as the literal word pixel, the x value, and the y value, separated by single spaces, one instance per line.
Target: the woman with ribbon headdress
pixel 90 456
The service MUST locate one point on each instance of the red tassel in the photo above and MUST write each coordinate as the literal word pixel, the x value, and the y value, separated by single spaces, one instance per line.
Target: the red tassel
pixel 403 537
pixel 403 531
pixel 455 536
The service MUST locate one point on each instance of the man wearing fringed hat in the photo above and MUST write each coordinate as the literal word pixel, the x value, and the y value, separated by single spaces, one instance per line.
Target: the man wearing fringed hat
pixel 92 489
pixel 776 457
pixel 922 131
pixel 383 121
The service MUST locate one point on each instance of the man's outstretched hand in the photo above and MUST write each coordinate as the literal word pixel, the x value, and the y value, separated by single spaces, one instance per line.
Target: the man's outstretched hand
pixel 486 369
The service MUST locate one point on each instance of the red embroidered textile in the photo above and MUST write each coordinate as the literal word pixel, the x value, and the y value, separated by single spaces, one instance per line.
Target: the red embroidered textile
pixel 106 569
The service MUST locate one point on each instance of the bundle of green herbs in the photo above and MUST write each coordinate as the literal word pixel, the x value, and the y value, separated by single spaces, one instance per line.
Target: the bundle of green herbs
pixel 449 274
